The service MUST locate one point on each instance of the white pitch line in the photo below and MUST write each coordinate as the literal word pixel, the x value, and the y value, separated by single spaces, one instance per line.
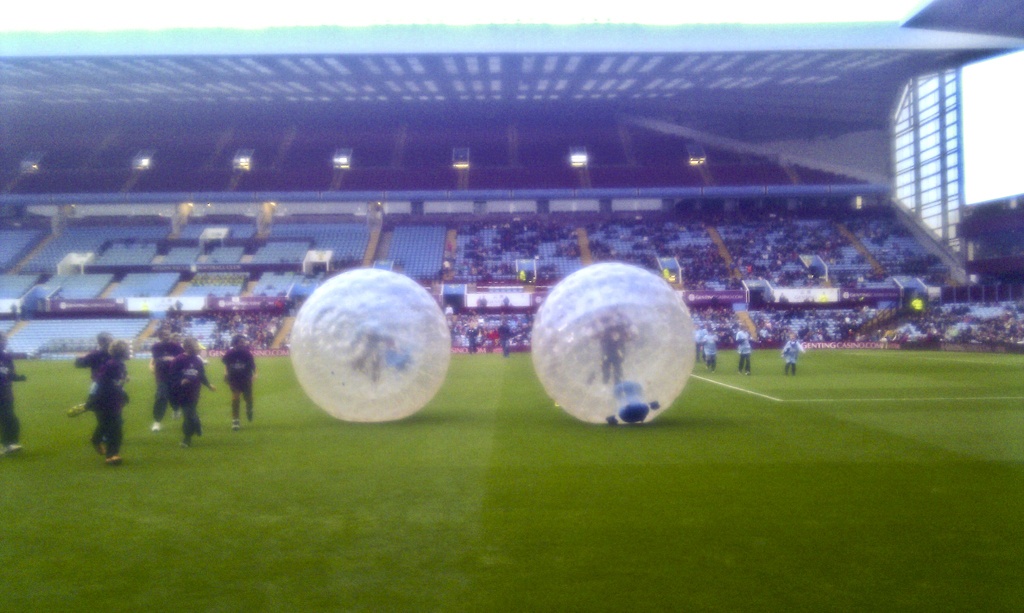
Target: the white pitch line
pixel 738 389
pixel 958 358
pixel 946 399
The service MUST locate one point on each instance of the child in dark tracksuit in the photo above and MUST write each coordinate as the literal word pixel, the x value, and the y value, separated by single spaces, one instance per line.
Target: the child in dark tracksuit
pixel 110 400
pixel 187 376
pixel 10 427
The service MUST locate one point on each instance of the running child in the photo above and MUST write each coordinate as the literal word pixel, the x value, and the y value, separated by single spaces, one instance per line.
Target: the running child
pixel 240 370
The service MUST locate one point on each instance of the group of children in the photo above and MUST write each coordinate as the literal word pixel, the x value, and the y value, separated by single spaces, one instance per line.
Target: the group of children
pixel 707 350
pixel 180 373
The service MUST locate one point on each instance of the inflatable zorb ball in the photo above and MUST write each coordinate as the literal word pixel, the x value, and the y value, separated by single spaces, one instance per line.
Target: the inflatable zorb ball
pixel 370 345
pixel 613 343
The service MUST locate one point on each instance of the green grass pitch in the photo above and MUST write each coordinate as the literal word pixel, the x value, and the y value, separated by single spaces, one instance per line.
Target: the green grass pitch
pixel 872 481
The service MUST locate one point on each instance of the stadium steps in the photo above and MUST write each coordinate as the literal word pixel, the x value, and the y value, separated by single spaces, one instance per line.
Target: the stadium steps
pixel 859 246
pixel 17 327
pixel 109 289
pixel 723 250
pixel 283 333
pixel 383 247
pixel 747 322
pixel 880 321
pixel 31 254
pixel 180 288
pixel 249 287
pixel 451 239
pixel 371 248
pixel 149 330
pixel 586 257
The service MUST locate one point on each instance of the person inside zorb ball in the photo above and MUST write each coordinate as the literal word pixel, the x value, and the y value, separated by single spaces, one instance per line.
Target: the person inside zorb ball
pixel 370 345
pixel 613 343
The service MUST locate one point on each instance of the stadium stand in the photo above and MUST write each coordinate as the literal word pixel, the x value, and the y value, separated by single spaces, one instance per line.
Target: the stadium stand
pixel 79 286
pixel 70 335
pixel 145 285
pixel 225 255
pixel 281 253
pixel 418 250
pixel 15 244
pixel 13 287
pixel 194 231
pixel 216 284
pixel 285 284
pixel 182 256
pixel 89 239
pixel 347 240
pixel 127 254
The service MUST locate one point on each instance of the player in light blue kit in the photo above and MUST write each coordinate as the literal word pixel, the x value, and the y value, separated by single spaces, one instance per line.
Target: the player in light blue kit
pixel 790 351
pixel 699 336
pixel 743 347
pixel 711 351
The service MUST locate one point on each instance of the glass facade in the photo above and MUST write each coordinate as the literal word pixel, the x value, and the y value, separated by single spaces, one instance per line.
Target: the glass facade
pixel 927 152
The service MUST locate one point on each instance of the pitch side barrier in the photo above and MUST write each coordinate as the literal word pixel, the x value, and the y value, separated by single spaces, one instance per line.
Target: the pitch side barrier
pixel 187 304
pixel 830 345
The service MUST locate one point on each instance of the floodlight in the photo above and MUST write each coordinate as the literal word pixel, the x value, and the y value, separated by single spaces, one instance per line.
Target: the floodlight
pixel 460 158
pixel 342 159
pixel 578 157
pixel 143 160
pixel 31 164
pixel 696 154
pixel 243 160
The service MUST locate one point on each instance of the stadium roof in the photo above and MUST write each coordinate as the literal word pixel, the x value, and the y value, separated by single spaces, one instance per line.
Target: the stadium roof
pixel 746 80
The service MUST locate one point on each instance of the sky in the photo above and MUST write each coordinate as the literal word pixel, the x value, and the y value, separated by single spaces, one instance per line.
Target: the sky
pixel 134 15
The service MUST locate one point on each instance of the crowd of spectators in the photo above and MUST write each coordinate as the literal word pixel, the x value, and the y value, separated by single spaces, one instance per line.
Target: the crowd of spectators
pixel 812 325
pixel 487 252
pixel 895 248
pixel 470 329
pixel 215 330
pixel 779 246
pixel 967 324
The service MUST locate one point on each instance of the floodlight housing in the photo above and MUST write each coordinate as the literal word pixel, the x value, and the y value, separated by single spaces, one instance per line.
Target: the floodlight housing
pixel 578 157
pixel 32 163
pixel 143 160
pixel 243 160
pixel 696 153
pixel 342 159
pixel 460 158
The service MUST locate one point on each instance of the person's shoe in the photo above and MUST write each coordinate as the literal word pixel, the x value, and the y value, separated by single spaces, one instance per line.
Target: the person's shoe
pixel 612 421
pixel 235 424
pixel 114 460
pixel 100 448
pixel 12 448
pixel 185 444
pixel 77 410
pixel 156 427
